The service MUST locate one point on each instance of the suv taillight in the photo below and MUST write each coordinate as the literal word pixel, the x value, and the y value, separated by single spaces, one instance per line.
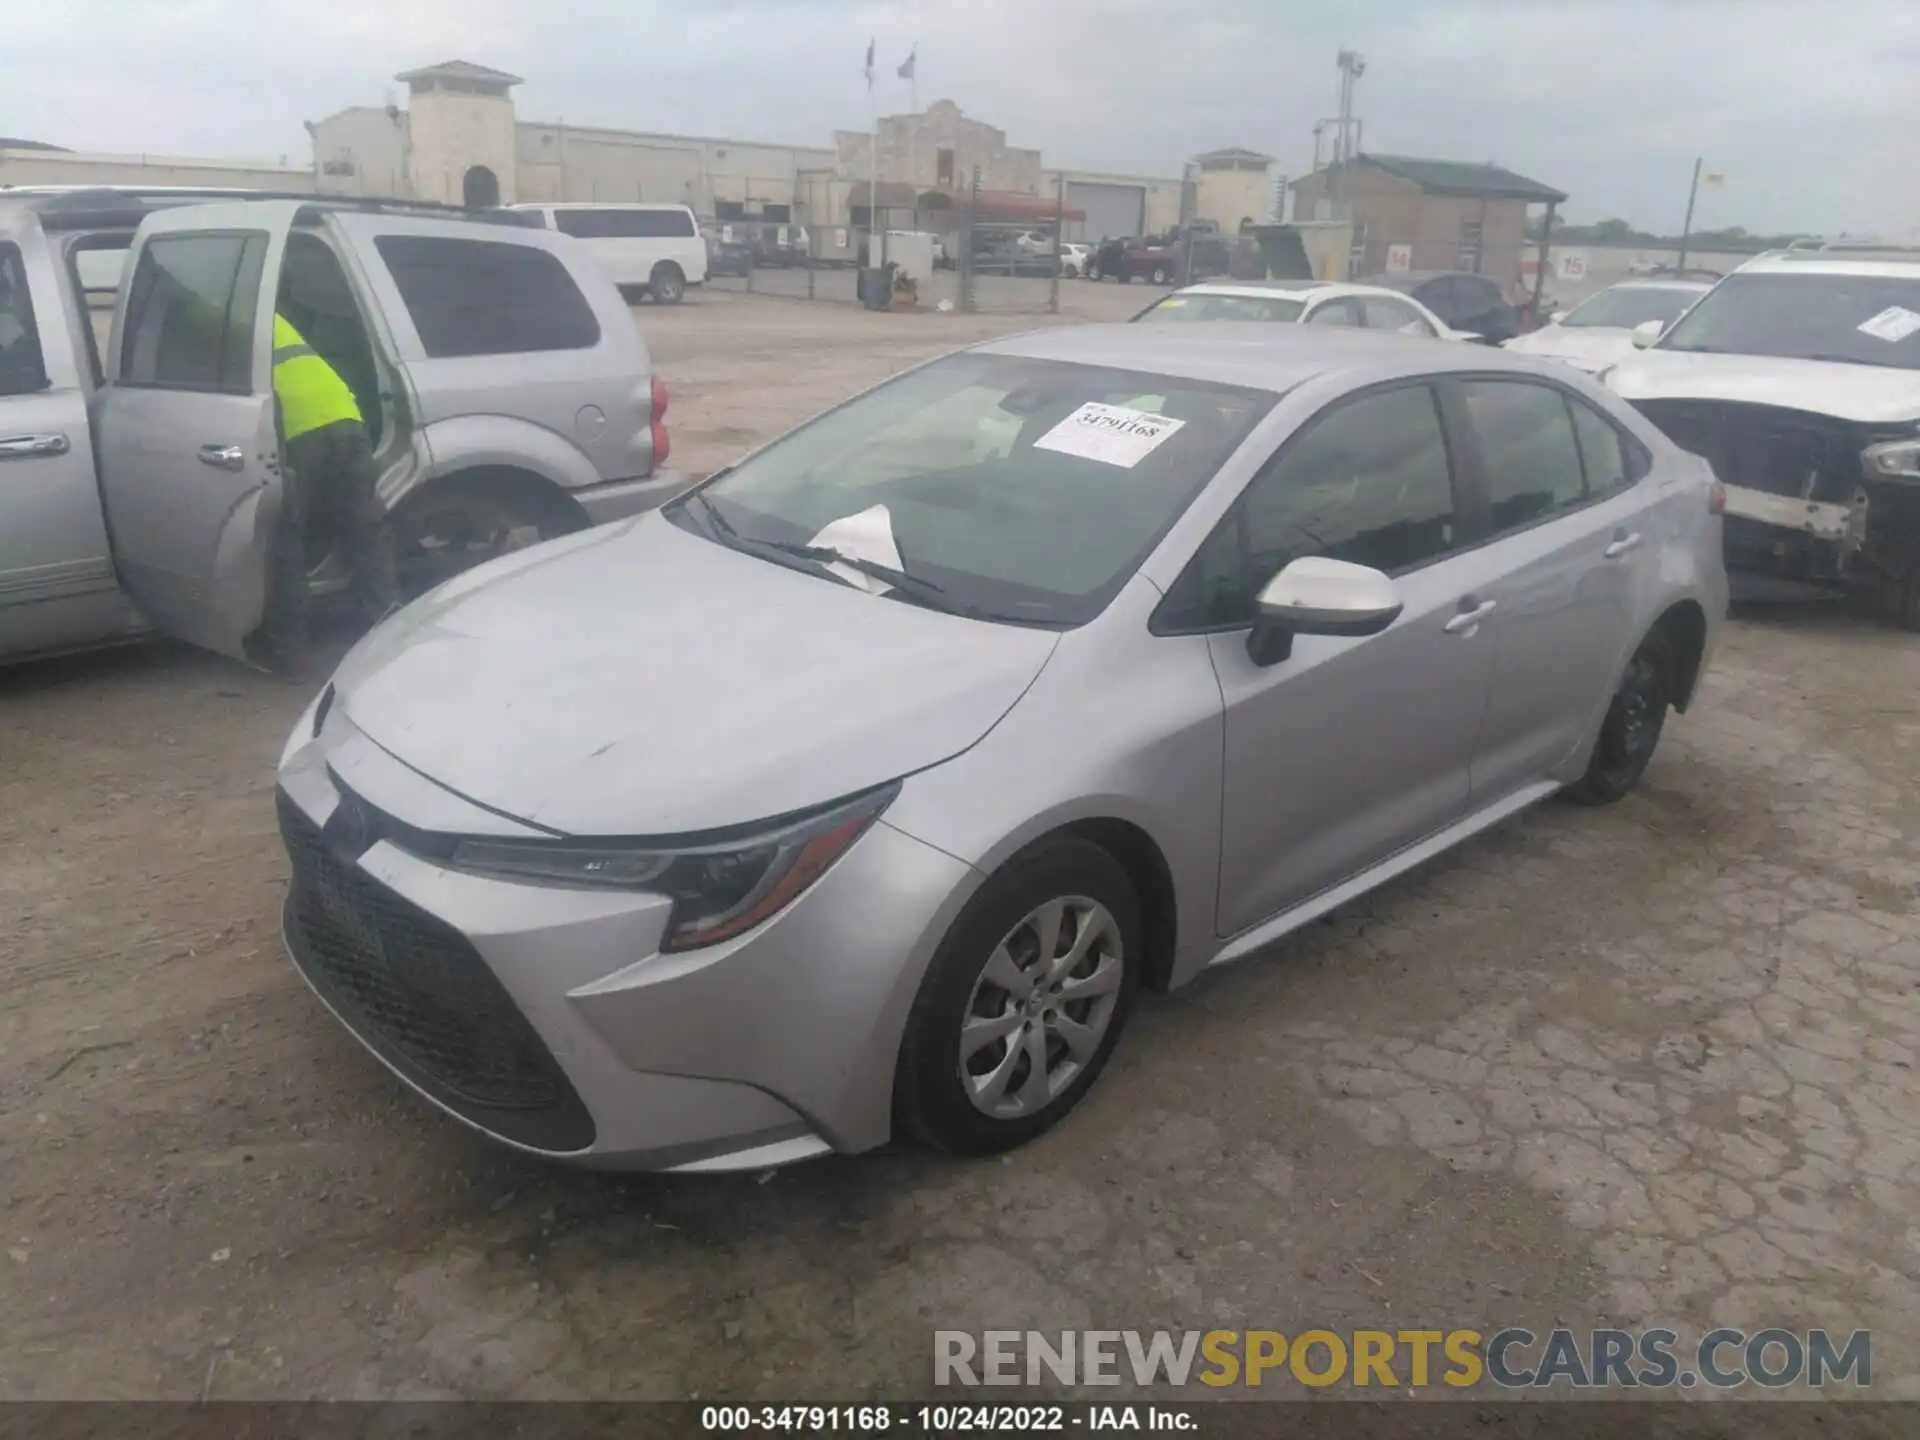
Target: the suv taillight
pixel 662 442
pixel 1716 499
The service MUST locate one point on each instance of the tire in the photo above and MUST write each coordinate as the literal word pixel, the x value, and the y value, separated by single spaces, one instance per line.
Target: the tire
pixel 1631 730
pixel 452 526
pixel 667 284
pixel 977 974
pixel 1093 272
pixel 1159 276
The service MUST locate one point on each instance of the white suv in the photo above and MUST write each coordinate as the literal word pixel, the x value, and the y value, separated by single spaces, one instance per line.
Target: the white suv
pixel 1798 378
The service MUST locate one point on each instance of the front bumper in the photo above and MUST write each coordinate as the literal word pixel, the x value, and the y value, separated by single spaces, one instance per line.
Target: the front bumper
pixel 621 499
pixel 547 1018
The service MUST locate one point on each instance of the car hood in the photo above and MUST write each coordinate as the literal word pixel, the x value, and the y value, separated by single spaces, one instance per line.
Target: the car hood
pixel 1591 347
pixel 641 680
pixel 1866 393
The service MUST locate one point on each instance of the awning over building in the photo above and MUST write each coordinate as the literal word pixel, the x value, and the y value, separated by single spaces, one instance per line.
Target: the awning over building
pixel 992 204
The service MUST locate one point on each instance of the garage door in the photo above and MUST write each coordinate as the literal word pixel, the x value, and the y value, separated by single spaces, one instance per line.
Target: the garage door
pixel 1112 210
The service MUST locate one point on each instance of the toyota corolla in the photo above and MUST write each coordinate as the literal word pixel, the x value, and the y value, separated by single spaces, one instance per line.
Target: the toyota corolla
pixel 860 791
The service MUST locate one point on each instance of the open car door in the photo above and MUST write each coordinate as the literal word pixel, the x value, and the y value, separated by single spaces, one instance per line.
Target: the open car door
pixel 189 449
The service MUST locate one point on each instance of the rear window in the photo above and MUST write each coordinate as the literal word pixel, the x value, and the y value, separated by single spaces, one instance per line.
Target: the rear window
pixel 487 297
pixel 624 224
pixel 21 371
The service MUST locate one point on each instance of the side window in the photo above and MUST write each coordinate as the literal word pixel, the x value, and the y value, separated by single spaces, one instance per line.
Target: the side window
pixel 582 224
pixel 1526 441
pixel 22 368
pixel 486 297
pixel 1334 312
pixel 190 313
pixel 1367 481
pixel 1612 462
pixel 1385 314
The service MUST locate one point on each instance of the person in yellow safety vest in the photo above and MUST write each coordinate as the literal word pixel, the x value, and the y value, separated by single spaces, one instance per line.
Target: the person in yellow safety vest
pixel 329 475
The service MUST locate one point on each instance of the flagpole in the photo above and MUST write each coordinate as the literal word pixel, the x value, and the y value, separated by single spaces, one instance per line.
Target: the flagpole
pixel 913 102
pixel 873 168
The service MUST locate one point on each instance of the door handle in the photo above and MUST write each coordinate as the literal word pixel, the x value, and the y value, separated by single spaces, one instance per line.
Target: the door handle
pixel 29 447
pixel 1622 544
pixel 1468 620
pixel 223 457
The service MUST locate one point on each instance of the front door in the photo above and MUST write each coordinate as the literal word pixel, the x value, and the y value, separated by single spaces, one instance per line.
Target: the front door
pixel 1573 555
pixel 1350 749
pixel 188 444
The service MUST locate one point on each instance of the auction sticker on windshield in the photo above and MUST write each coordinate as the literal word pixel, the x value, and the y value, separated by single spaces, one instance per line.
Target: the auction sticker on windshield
pixel 1893 324
pixel 1111 434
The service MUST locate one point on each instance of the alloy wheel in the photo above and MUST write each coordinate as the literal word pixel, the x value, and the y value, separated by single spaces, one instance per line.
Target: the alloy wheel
pixel 1040 1007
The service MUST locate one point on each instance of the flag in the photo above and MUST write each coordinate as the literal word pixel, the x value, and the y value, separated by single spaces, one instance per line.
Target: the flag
pixel 905 72
pixel 1714 179
pixel 869 64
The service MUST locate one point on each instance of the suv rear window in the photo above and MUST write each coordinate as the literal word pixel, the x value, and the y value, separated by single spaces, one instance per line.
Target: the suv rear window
pixel 624 224
pixel 487 297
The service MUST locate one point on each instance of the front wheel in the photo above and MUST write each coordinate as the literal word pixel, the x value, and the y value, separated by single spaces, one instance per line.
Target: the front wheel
pixel 1631 731
pixel 1159 275
pixel 1024 1001
pixel 1093 272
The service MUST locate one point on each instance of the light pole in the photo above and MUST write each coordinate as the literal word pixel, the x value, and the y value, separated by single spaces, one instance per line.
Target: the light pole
pixel 1686 226
pixel 1352 65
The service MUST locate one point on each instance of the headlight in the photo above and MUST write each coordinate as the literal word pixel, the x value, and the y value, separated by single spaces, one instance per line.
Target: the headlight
pixel 1895 460
pixel 719 888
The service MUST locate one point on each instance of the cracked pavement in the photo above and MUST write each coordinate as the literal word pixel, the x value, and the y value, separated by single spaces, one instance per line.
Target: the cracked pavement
pixel 1647 1065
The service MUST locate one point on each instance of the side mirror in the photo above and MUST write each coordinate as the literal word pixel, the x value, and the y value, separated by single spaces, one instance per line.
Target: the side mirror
pixel 1318 596
pixel 1646 332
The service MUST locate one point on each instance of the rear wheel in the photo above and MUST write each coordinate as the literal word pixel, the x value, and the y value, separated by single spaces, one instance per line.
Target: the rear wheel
pixel 1159 274
pixel 455 525
pixel 666 284
pixel 1023 1003
pixel 1631 731
pixel 1093 270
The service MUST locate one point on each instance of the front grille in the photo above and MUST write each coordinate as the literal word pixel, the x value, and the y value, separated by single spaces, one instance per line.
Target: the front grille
pixel 417 992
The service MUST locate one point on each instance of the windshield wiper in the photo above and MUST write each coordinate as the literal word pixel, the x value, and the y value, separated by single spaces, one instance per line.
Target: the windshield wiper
pixel 1857 360
pixel 921 591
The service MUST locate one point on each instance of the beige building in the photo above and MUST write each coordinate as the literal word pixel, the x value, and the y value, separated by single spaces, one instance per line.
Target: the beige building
pixel 24 162
pixel 458 140
pixel 1416 214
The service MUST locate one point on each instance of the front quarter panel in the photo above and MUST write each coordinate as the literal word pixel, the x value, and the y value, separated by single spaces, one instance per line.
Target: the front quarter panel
pixel 1120 725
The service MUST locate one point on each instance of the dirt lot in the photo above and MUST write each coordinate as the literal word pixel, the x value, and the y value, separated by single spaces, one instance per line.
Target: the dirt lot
pixel 1642 1065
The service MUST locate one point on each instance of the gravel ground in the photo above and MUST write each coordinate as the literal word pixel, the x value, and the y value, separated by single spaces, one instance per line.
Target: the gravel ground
pixel 1651 1064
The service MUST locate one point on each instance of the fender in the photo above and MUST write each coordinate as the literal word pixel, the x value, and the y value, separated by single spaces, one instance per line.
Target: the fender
pixel 466 442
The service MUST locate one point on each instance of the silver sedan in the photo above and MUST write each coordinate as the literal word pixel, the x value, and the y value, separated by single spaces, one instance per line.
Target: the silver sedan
pixel 861 790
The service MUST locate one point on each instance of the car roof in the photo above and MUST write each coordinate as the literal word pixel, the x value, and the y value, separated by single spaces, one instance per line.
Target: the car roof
pixel 1881 264
pixel 1276 358
pixel 1691 287
pixel 1287 289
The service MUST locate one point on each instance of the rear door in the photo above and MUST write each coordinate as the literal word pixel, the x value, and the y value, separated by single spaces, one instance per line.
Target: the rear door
pixel 1343 310
pixel 188 445
pixel 1567 556
pixel 1389 312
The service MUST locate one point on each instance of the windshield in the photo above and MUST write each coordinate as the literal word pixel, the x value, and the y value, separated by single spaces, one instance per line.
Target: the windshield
pixel 1224 307
pixel 1026 490
pixel 1626 306
pixel 1858 319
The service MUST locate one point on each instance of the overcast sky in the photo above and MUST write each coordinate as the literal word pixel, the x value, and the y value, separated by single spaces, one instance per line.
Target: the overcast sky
pixel 1808 109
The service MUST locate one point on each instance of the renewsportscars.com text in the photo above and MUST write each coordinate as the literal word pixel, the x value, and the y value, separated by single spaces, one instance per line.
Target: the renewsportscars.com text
pixel 1513 1358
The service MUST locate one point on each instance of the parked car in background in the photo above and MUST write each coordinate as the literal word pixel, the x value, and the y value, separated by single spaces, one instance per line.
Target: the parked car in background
pixel 1599 331
pixel 1301 302
pixel 506 392
pixel 646 250
pixel 1036 242
pixel 1152 259
pixel 1466 302
pixel 729 257
pixel 1798 378
pixel 945 741
pixel 1075 256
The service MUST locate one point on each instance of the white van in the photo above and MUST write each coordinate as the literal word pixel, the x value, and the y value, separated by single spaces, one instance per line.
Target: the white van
pixel 652 250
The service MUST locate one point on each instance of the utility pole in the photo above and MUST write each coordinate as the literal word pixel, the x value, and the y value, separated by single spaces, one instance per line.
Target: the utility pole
pixel 1686 226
